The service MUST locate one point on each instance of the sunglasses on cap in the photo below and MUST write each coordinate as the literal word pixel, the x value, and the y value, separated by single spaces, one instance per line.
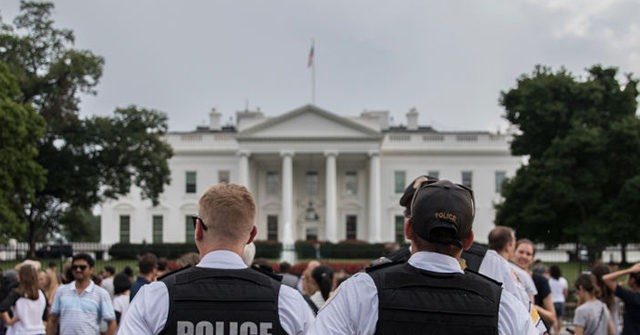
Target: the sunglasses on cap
pixel 195 220
pixel 423 181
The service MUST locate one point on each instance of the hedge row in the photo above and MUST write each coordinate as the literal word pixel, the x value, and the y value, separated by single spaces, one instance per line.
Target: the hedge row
pixel 264 249
pixel 168 250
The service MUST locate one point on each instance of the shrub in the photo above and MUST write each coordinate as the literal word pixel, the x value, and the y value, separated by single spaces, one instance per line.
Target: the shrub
pixel 168 250
pixel 268 249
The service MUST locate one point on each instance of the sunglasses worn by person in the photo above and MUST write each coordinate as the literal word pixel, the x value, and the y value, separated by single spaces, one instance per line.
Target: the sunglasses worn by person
pixel 80 267
pixel 195 219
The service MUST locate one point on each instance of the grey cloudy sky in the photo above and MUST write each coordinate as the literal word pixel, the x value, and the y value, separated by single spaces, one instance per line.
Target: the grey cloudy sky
pixel 449 59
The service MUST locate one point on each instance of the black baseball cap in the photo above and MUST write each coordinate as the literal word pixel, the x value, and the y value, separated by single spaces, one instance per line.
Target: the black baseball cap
pixel 442 205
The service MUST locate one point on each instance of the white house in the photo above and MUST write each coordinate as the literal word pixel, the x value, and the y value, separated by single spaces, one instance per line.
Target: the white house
pixel 315 175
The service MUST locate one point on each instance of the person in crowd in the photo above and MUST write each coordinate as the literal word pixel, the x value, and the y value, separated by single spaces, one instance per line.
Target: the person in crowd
pixel 249 253
pixel 495 264
pixel 107 274
pixel 303 283
pixel 630 297
pixel 393 297
pixel 129 272
pixel 220 292
pixel 321 281
pixel 147 266
pixel 121 289
pixel 287 278
pixel 67 273
pixel 163 264
pixel 9 281
pixel 537 285
pixel 522 258
pixel 27 303
pixel 559 292
pixel 94 301
pixel 607 295
pixel 48 284
pixel 592 316
pixel 544 300
pixel 187 260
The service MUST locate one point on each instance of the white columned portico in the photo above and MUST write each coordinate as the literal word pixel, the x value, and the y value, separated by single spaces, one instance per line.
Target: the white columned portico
pixel 287 195
pixel 243 168
pixel 332 208
pixel 374 196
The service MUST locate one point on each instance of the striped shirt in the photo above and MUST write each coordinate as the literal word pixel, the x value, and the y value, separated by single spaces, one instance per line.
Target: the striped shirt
pixel 82 313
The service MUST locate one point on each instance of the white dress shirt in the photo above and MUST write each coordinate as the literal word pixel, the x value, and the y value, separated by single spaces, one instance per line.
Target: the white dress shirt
pixel 354 307
pixel 148 311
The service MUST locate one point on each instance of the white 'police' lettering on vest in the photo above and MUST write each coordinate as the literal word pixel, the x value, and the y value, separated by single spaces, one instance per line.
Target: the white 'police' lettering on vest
pixel 224 328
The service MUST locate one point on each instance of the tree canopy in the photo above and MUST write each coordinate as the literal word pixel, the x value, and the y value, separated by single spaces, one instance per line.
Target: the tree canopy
pixel 85 160
pixel 582 139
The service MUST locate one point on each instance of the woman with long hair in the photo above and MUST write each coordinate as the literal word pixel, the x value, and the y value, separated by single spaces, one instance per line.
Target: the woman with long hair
pixel 607 295
pixel 27 303
pixel 48 284
pixel 592 315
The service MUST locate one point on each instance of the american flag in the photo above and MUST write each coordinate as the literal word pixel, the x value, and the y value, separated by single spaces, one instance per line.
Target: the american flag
pixel 310 62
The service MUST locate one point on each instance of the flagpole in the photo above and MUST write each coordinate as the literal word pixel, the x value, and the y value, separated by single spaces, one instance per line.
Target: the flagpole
pixel 313 71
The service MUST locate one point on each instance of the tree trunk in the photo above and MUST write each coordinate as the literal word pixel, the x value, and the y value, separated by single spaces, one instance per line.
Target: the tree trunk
pixel 623 253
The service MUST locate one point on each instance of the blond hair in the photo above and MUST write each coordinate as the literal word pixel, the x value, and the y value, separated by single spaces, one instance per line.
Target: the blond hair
pixel 228 211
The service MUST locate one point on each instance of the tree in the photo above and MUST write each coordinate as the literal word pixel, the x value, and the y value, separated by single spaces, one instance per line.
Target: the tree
pixel 87 160
pixel 20 175
pixel 582 138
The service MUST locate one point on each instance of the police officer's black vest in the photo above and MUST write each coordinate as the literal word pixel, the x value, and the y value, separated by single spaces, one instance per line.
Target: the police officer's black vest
pixel 222 301
pixel 415 301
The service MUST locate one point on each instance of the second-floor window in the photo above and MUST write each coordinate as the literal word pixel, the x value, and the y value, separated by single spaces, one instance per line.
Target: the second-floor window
pixel 500 176
pixel 312 183
pixel 273 182
pixel 190 182
pixel 467 179
pixel 400 181
pixel 351 183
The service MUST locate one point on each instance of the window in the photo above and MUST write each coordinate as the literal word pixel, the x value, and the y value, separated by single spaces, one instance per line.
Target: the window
pixel 434 174
pixel 312 233
pixel 223 176
pixel 272 227
pixel 399 228
pixel 352 227
pixel 467 179
pixel 312 183
pixel 273 182
pixel 500 175
pixel 125 230
pixel 351 183
pixel 157 229
pixel 191 182
pixel 400 181
pixel 188 229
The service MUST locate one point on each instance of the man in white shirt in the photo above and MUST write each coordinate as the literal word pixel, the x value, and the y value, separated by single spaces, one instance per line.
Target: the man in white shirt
pixel 430 292
pixel 220 293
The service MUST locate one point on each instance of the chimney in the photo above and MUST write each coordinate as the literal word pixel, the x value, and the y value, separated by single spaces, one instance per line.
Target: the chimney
pixel 214 120
pixel 412 119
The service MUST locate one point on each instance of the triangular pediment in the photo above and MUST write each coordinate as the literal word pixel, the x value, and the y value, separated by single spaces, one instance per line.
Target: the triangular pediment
pixel 308 122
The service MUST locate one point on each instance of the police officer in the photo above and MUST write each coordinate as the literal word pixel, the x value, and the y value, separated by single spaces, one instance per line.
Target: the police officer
pixel 471 258
pixel 430 293
pixel 220 295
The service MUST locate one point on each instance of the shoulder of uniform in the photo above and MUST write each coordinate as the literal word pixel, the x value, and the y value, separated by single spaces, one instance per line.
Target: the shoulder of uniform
pixel 381 263
pixel 174 272
pixel 478 274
